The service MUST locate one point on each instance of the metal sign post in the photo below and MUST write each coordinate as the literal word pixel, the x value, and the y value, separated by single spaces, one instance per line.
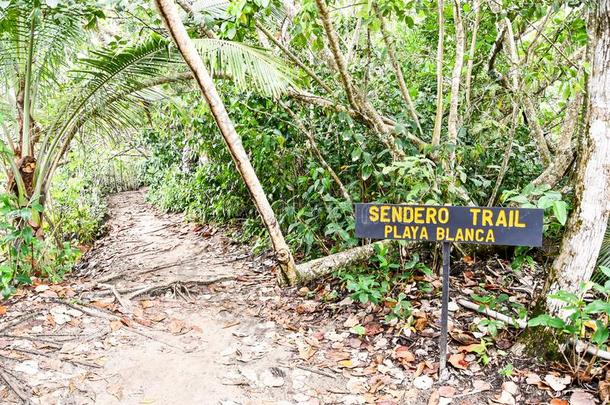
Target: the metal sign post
pixel 449 224
pixel 442 364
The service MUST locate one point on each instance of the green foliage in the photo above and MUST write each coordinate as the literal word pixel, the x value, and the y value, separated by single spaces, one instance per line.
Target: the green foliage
pixel 24 253
pixel 582 318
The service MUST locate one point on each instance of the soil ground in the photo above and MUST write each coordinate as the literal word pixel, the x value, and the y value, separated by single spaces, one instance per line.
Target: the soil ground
pixel 163 312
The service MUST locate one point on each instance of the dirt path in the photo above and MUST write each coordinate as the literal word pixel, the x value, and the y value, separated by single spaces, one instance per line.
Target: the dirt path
pixel 165 313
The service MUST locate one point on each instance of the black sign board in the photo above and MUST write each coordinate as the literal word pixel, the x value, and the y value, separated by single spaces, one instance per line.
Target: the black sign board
pixel 481 225
pixel 447 224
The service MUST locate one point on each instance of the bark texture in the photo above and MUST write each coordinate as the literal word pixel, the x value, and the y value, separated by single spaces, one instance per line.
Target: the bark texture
pixel 404 91
pixel 438 120
pixel 170 16
pixel 453 119
pixel 317 268
pixel 354 96
pixel 587 223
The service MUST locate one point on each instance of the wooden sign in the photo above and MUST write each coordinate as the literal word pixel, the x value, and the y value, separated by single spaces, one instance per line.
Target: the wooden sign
pixel 448 224
pixel 484 225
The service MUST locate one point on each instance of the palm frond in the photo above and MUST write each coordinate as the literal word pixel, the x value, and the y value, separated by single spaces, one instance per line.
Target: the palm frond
pixel 603 259
pixel 249 67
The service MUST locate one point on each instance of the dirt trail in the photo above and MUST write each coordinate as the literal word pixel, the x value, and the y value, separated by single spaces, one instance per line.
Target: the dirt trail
pixel 170 314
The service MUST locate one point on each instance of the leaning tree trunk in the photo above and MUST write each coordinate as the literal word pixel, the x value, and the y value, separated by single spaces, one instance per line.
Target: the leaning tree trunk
pixel 176 29
pixel 587 223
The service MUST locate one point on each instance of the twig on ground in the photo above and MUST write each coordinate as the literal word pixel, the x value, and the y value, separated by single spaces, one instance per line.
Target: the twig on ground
pixel 14 387
pixel 20 319
pixel 313 370
pixel 124 303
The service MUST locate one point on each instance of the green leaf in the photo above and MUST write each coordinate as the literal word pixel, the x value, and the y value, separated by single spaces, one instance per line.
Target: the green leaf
pixel 601 334
pixel 560 210
pixel 597 307
pixel 547 320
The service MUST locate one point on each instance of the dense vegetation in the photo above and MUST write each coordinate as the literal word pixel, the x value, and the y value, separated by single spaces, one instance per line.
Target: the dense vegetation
pixel 397 101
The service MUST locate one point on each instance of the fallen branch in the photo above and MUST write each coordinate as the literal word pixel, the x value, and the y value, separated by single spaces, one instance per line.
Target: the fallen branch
pixel 325 265
pixel 124 303
pixel 579 345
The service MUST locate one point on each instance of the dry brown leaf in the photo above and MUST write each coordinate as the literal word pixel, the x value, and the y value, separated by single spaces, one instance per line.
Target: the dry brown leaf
pixel 115 325
pixel 306 352
pixel 404 354
pixel 373 328
pixel 177 327
pixel 2 310
pixel 457 361
pixel 557 401
pixel 604 391
pixel 446 391
pixel 420 324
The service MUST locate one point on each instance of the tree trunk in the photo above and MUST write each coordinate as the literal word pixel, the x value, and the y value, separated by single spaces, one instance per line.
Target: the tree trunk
pixel 323 266
pixel 356 99
pixel 453 119
pixel 438 120
pixel 176 29
pixel 471 53
pixel 587 223
pixel 397 69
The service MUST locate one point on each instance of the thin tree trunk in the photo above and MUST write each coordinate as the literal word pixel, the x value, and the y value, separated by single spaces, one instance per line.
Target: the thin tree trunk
pixel 471 53
pixel 504 25
pixel 313 146
pixel 176 29
pixel 404 91
pixel 564 155
pixel 507 153
pixel 354 96
pixel 453 119
pixel 293 57
pixel 588 220
pixel 438 120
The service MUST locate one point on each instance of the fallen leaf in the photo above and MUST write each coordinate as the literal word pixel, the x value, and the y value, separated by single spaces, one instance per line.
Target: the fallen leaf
pixel 423 382
pixel 115 325
pixel 457 361
pixel 177 327
pixel 505 397
pixel 404 354
pixel 306 351
pixel 480 385
pixel 2 310
pixel 557 383
pixel 307 307
pixel 345 363
pixel 510 387
pixel 472 348
pixel 373 328
pixel 581 398
pixel 446 391
pixel 420 324
pixel 557 401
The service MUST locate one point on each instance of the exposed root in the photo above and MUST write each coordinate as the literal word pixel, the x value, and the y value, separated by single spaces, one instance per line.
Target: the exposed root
pixel 171 283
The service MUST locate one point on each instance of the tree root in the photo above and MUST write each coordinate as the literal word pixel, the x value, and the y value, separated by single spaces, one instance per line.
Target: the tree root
pixel 169 284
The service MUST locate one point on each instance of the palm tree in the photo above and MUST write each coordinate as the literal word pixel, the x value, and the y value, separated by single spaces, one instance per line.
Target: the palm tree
pixel 48 95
